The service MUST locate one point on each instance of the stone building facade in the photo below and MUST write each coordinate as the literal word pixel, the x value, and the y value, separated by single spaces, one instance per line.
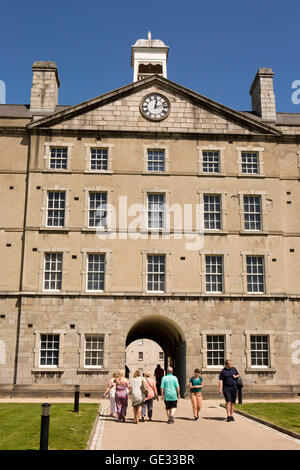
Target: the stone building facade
pixel 148 212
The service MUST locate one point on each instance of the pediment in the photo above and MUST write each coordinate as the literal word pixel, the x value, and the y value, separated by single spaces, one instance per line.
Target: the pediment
pixel 119 110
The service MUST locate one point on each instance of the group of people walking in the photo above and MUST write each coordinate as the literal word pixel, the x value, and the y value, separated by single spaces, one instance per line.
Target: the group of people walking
pixel 144 390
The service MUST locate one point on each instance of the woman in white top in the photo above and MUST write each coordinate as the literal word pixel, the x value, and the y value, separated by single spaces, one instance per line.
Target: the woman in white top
pixel 111 392
pixel 138 396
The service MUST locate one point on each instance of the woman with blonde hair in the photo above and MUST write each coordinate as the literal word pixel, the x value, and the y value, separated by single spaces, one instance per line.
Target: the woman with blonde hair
pixel 121 395
pixel 139 391
pixel 152 394
pixel 111 392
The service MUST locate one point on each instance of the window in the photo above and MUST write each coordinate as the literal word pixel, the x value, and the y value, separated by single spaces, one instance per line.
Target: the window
pixel 250 162
pixel 141 356
pixel 56 204
pixel 140 342
pixel 214 273
pixel 58 158
pixel 259 351
pixel 215 350
pixel 94 351
pixel 49 350
pixel 252 212
pixel 95 272
pixel 53 271
pixel 156 160
pixel 98 210
pixel 211 161
pixel 156 273
pixel 255 274
pixel 212 212
pixel 161 356
pixel 99 159
pixel 156 211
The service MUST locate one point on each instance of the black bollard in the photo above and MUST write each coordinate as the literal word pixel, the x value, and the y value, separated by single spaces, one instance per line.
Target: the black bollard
pixel 45 426
pixel 76 398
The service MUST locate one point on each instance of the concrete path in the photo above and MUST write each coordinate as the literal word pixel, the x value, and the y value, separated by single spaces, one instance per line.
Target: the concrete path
pixel 210 432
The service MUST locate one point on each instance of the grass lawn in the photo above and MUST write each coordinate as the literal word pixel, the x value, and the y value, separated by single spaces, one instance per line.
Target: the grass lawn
pixel 286 415
pixel 20 426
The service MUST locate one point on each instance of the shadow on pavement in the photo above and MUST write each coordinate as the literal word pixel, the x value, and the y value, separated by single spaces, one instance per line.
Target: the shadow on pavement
pixel 216 418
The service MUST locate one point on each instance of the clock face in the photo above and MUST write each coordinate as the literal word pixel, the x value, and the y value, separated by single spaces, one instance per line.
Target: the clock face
pixel 155 107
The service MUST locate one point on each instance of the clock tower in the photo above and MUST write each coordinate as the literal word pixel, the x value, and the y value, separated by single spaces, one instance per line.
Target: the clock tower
pixel 149 57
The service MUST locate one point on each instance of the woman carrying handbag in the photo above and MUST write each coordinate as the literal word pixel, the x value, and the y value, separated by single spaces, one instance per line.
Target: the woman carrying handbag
pixel 152 395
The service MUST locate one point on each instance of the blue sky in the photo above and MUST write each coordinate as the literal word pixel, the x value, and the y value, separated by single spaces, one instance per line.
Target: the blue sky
pixel 215 47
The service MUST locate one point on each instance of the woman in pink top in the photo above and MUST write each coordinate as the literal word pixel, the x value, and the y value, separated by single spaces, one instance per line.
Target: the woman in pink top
pixel 152 393
pixel 121 396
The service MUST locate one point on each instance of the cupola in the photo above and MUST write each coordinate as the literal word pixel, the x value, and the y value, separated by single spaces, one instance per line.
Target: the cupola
pixel 149 57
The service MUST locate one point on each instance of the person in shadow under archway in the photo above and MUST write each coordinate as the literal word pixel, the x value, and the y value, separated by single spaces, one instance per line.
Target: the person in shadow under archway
pixel 158 374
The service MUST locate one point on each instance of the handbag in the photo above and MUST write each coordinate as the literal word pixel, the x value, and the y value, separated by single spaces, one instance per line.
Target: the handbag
pixel 155 395
pixel 145 391
pixel 239 382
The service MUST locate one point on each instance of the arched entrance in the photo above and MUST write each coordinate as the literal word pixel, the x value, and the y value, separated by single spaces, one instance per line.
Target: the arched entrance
pixel 170 338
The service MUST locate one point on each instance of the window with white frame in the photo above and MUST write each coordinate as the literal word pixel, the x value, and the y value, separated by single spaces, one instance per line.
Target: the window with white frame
pixel 53 271
pixel 95 272
pixel 250 162
pixel 58 159
pixel 140 355
pixel 215 352
pixel 212 211
pixel 255 274
pixel 214 273
pixel 99 159
pixel 156 267
pixel 156 160
pixel 210 161
pixel 94 351
pixel 156 211
pixel 49 350
pixel 259 345
pixel 252 213
pixel 56 205
pixel 97 209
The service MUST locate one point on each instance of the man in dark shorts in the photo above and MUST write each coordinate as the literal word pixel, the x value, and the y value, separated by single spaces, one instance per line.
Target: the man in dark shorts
pixel 170 393
pixel 228 384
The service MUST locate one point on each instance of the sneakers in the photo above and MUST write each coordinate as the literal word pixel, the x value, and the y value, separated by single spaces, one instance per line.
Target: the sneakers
pixel 172 419
pixel 143 419
pixel 169 421
pixel 196 417
pixel 230 418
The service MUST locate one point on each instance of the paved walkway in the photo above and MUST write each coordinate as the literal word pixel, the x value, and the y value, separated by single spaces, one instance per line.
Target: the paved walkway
pixel 210 432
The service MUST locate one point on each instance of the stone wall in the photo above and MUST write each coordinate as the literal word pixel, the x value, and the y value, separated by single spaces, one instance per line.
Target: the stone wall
pixel 71 317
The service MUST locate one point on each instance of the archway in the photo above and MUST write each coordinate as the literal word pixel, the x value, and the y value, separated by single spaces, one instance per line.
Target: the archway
pixel 170 338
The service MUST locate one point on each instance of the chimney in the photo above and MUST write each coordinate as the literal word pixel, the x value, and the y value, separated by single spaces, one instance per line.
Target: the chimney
pixel 44 91
pixel 262 94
